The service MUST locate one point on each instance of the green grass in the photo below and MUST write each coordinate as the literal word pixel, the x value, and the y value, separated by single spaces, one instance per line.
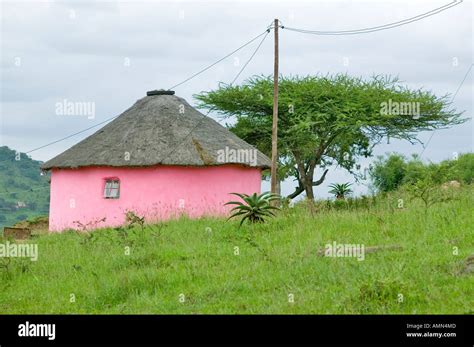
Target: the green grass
pixel 197 258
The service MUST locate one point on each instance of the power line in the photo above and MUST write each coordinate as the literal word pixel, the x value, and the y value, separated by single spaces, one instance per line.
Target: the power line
pixel 390 26
pixel 194 75
pixel 192 130
pixel 344 32
pixel 69 136
pixel 218 61
pixel 462 82
pixel 266 32
pixel 452 99
pixel 205 115
pixel 251 57
pixel 380 27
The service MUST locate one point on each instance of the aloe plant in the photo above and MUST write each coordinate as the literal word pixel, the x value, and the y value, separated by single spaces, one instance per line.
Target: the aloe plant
pixel 254 208
pixel 340 190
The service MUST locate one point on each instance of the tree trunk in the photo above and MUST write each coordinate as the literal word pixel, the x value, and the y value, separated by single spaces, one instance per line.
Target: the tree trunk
pixel 297 192
pixel 306 168
pixel 306 183
pixel 305 176
pixel 308 186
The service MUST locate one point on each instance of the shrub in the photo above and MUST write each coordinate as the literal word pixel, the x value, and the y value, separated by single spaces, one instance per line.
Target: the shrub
pixel 390 172
pixel 340 204
pixel 415 171
pixel 387 173
pixel 255 207
pixel 428 192
pixel 131 218
pixel 462 169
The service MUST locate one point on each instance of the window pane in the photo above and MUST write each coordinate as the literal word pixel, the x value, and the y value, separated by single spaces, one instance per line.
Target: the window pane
pixel 112 189
pixel 107 189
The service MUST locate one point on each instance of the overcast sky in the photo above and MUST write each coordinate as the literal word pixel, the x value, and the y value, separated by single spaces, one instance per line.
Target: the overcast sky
pixel 110 53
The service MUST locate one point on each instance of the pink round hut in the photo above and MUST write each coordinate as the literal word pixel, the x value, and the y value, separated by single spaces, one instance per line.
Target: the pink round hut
pixel 159 159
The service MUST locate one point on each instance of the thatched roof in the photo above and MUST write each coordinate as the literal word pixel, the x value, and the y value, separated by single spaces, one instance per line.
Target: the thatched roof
pixel 157 129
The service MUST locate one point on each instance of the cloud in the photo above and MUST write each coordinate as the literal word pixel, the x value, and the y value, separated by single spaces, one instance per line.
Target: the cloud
pixel 111 53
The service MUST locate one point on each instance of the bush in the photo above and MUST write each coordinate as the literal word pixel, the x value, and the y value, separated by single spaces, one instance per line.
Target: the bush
pixel 387 173
pixel 394 170
pixel 462 169
pixel 352 203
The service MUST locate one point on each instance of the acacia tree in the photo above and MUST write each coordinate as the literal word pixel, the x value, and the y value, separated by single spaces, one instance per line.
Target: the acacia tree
pixel 326 120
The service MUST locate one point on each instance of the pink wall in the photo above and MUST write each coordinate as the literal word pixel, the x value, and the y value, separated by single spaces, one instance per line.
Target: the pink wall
pixel 153 192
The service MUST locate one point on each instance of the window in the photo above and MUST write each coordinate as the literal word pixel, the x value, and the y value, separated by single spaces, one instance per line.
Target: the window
pixel 112 188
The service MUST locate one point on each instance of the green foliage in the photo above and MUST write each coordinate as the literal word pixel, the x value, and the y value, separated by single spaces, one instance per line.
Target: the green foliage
pixel 324 120
pixel 133 219
pixel 394 170
pixel 427 191
pixel 387 174
pixel 255 207
pixel 340 204
pixel 21 183
pixel 460 169
pixel 416 170
pixel 196 258
pixel 340 190
pixel 362 203
pixel 384 291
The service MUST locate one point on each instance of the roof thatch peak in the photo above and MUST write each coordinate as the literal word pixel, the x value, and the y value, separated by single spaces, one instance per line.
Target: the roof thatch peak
pixel 159 129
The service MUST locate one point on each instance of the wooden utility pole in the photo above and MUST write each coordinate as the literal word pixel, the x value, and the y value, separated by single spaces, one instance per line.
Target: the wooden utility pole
pixel 274 177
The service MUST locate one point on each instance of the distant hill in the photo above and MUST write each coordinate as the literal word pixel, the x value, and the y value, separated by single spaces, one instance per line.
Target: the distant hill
pixel 24 192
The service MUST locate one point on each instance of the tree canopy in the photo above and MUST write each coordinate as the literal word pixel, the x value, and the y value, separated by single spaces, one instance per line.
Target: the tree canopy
pixel 326 120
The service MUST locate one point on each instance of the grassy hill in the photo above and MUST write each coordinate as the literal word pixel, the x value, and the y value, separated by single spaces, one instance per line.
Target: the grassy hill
pixel 211 266
pixel 24 192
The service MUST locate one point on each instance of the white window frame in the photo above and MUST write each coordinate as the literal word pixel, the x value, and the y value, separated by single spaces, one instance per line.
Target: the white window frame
pixel 111 188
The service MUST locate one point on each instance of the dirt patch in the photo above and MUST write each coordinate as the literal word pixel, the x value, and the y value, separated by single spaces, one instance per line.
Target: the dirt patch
pixel 16 233
pixel 36 225
pixel 468 265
